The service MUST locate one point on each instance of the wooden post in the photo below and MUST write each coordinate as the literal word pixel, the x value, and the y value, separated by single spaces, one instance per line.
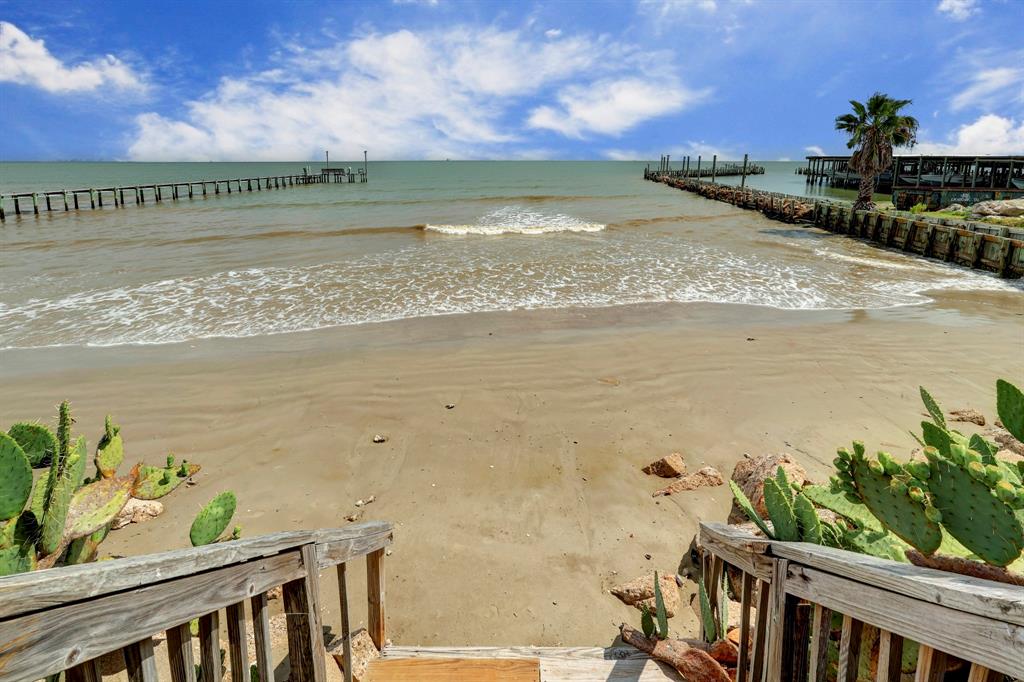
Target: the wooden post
pixel 931 665
pixel 179 654
pixel 48 207
pixel 890 657
pixel 305 635
pixel 714 167
pixel 849 649
pixel 2 216
pixel 760 631
pixel 140 661
pixel 85 672
pixel 743 180
pixel 92 198
pixel 237 650
pixel 346 633
pixel 698 168
pixel 261 637
pixel 65 200
pixel 375 597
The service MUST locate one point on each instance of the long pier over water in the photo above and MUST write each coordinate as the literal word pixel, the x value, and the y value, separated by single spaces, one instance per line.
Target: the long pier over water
pixel 136 195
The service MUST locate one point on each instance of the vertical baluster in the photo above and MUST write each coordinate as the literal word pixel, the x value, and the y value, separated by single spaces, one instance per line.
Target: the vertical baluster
pixel 375 597
pixel 140 661
pixel 305 636
pixel 746 596
pixel 209 646
pixel 88 671
pixel 849 649
pixel 821 631
pixel 980 673
pixel 760 631
pixel 261 635
pixel 346 631
pixel 931 665
pixel 235 614
pixel 179 654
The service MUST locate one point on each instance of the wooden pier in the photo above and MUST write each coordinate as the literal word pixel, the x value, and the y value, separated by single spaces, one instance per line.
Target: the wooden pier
pixel 712 170
pixel 976 245
pixel 835 171
pixel 137 195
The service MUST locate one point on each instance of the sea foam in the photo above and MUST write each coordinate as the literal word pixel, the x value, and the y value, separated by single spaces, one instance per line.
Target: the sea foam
pixel 518 220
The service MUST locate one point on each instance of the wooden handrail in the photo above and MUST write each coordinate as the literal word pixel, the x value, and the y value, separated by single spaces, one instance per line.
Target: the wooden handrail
pixel 977 620
pixel 65 618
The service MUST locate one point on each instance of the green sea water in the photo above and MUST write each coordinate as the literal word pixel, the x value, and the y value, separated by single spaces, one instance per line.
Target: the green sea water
pixel 419 239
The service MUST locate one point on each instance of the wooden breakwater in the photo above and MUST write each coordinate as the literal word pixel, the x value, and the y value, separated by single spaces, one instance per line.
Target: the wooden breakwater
pixel 982 246
pixel 136 195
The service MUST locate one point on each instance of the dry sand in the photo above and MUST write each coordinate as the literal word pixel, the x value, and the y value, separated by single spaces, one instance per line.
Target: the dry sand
pixel 516 510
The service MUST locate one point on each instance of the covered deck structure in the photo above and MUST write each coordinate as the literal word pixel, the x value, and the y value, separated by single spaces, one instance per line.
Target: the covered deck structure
pixel 938 181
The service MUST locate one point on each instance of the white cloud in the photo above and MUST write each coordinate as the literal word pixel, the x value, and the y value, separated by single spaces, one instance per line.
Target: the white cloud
pixel 677 152
pixel 447 93
pixel 27 61
pixel 958 10
pixel 990 134
pixel 612 106
pixel 987 84
pixel 664 9
pixel 814 150
pixel 553 32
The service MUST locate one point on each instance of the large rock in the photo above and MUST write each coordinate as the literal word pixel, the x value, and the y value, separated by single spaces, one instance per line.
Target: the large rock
pixel 750 474
pixel 639 592
pixel 669 466
pixel 363 652
pixel 702 478
pixel 137 511
pixel 1008 208
pixel 967 415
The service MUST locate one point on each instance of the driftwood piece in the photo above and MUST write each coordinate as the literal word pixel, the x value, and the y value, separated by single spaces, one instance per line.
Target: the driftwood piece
pixel 693 664
pixel 975 569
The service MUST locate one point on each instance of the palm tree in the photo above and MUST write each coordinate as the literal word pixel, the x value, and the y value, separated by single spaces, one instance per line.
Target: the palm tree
pixel 874 129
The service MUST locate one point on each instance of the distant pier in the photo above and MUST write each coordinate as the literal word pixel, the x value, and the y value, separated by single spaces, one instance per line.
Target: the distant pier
pixel 137 195
pixel 835 171
pixel 703 169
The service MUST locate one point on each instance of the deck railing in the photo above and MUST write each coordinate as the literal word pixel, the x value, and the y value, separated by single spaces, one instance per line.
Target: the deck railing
pixel 797 587
pixel 65 619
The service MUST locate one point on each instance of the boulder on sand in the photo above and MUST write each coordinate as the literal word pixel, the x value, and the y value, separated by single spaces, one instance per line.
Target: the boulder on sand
pixel 1007 208
pixel 750 474
pixel 702 478
pixel 639 592
pixel 967 415
pixel 669 466
pixel 137 511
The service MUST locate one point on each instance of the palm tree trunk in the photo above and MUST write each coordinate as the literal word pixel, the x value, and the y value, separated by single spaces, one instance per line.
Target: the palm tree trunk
pixel 865 192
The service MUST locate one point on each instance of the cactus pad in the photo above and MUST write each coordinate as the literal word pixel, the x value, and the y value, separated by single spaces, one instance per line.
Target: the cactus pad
pixel 780 511
pixel 95 505
pixel 13 561
pixel 892 506
pixel 1010 405
pixel 56 510
pixel 110 451
pixel 937 437
pixel 876 543
pixel 15 478
pixel 807 519
pixel 973 514
pixel 213 519
pixel 933 408
pixel 155 482
pixel 36 440
pixel 744 503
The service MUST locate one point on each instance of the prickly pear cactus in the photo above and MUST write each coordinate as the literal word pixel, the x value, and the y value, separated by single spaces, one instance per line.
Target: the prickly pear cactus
pixel 978 504
pixel 1010 405
pixel 213 519
pixel 155 482
pixel 876 543
pixel 14 561
pixel 780 511
pixel 807 519
pixel 894 497
pixel 95 505
pixel 855 512
pixel 15 478
pixel 110 451
pixel 55 512
pixel 36 440
pixel 748 509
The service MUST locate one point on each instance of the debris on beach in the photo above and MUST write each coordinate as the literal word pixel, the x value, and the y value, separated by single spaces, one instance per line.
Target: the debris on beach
pixel 368 500
pixel 449 406
pixel 669 466
pixel 355 516
pixel 1005 440
pixel 750 473
pixel 639 592
pixel 694 664
pixel 137 511
pixel 967 415
pixel 705 477
pixel 379 438
pixel 363 652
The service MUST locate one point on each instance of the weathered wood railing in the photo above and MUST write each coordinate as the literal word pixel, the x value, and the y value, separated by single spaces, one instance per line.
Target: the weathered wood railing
pixel 64 619
pixel 797 587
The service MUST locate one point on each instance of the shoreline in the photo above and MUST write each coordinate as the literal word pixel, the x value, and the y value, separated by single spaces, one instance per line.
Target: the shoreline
pixel 524 502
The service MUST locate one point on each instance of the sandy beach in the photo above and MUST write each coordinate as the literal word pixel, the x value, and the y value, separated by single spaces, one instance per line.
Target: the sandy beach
pixel 519 507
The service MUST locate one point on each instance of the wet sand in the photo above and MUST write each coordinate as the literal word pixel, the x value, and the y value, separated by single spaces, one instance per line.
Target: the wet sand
pixel 519 507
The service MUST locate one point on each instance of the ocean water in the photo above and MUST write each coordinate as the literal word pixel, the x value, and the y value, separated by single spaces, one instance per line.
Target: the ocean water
pixel 420 239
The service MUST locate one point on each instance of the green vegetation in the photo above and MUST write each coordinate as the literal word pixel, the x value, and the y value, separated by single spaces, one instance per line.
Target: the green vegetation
pixel 957 500
pixel 874 129
pixel 63 518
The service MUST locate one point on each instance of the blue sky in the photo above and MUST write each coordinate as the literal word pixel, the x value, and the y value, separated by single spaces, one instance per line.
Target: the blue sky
pixel 414 79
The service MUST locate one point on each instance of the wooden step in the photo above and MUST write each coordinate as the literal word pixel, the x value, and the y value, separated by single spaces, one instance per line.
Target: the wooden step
pixel 557 664
pixel 454 670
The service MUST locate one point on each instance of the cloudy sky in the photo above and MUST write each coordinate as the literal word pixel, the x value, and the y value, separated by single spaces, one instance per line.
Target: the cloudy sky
pixel 413 79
